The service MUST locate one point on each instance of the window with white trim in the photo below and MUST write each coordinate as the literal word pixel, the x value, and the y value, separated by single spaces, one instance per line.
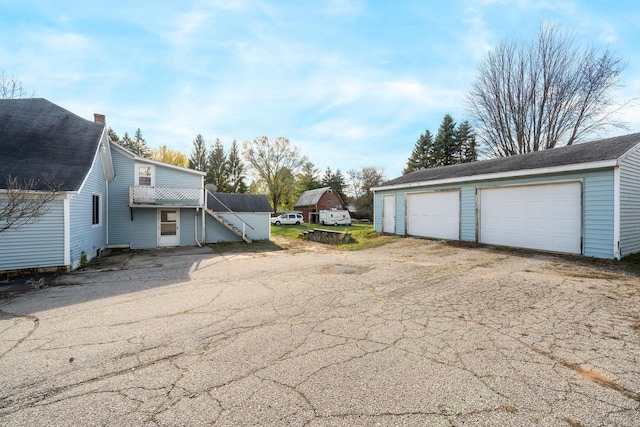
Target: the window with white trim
pixel 144 175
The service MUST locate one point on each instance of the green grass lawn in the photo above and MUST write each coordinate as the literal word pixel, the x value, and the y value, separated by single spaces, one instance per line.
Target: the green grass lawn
pixel 363 234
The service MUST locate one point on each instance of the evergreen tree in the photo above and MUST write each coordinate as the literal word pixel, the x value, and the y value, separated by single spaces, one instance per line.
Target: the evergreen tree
pixel 307 178
pixel 445 145
pixel 235 170
pixel 466 142
pixel 198 157
pixel 140 146
pixel 113 136
pixel 217 167
pixel 336 181
pixel 127 142
pixel 421 155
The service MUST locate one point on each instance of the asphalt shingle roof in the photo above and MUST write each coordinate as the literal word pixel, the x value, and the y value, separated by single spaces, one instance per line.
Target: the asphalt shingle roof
pixel 238 202
pixel 42 141
pixel 311 197
pixel 604 149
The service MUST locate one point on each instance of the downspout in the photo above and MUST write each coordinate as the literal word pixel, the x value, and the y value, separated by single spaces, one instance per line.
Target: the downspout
pixel 204 228
pixel 106 217
pixel 195 228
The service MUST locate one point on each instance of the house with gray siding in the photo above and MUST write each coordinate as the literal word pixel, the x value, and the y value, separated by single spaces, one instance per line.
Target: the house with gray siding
pixel 579 199
pixel 108 196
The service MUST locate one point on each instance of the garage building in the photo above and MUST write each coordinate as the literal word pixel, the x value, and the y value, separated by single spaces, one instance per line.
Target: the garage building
pixel 580 199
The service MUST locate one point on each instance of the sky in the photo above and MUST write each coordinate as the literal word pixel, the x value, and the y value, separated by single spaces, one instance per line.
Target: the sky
pixel 351 83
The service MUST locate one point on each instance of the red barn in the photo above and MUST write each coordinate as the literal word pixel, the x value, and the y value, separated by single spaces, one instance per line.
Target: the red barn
pixel 313 201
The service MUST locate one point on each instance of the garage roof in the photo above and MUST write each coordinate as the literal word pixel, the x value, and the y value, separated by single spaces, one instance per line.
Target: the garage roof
pixel 588 152
pixel 238 202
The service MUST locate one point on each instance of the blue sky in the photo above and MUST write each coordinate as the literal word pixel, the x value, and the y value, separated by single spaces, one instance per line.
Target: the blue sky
pixel 351 83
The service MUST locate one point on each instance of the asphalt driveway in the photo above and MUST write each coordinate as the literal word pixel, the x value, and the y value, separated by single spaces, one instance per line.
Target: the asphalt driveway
pixel 412 333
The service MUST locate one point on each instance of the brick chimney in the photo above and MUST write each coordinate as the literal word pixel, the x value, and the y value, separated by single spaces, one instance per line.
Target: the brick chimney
pixel 99 118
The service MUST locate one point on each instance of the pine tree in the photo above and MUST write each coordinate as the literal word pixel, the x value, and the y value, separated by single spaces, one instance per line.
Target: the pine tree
pixel 217 167
pixel 445 145
pixel 421 155
pixel 140 145
pixel 336 181
pixel 307 178
pixel 466 142
pixel 113 136
pixel 127 142
pixel 198 157
pixel 235 170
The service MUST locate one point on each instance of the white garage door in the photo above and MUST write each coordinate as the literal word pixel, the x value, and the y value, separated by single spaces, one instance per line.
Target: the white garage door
pixel 546 217
pixel 435 214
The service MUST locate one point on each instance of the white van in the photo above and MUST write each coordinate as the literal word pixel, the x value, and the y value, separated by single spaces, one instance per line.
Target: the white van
pixel 334 217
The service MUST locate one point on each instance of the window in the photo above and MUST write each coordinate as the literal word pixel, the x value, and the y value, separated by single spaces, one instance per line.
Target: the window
pixel 144 175
pixel 97 209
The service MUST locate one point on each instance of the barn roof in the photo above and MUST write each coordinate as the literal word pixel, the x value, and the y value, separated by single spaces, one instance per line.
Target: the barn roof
pixel 238 202
pixel 588 152
pixel 311 197
pixel 42 141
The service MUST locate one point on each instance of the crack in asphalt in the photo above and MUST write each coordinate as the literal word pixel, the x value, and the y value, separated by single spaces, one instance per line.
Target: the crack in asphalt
pixel 444 334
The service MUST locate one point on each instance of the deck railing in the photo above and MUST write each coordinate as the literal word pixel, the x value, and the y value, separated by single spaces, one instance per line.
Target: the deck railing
pixel 165 196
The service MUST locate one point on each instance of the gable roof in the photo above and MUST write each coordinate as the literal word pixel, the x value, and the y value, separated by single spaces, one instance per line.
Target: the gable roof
pixel 238 202
pixel 584 156
pixel 311 197
pixel 42 141
pixel 140 159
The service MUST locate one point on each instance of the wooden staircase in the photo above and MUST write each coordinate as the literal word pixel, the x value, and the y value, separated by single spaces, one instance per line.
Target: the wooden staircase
pixel 228 225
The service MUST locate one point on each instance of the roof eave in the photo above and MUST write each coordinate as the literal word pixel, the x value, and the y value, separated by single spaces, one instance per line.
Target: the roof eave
pixel 509 174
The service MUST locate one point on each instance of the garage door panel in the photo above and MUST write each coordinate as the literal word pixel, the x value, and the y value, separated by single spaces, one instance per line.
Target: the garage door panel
pixel 546 217
pixel 435 215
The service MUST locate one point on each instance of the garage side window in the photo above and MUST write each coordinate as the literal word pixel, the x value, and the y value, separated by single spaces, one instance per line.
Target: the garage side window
pixel 96 200
pixel 144 175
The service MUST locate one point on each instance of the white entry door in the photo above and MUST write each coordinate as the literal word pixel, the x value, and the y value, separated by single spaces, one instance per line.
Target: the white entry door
pixel 168 227
pixel 389 213
pixel 546 217
pixel 435 214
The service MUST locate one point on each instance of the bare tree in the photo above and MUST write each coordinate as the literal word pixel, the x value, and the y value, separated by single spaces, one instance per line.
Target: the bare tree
pixel 362 181
pixel 274 162
pixel 11 87
pixel 20 205
pixel 537 95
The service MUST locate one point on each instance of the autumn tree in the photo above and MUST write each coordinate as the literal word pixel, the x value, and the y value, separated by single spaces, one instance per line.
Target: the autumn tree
pixel 536 95
pixel 198 158
pixel 272 161
pixel 163 154
pixel 25 202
